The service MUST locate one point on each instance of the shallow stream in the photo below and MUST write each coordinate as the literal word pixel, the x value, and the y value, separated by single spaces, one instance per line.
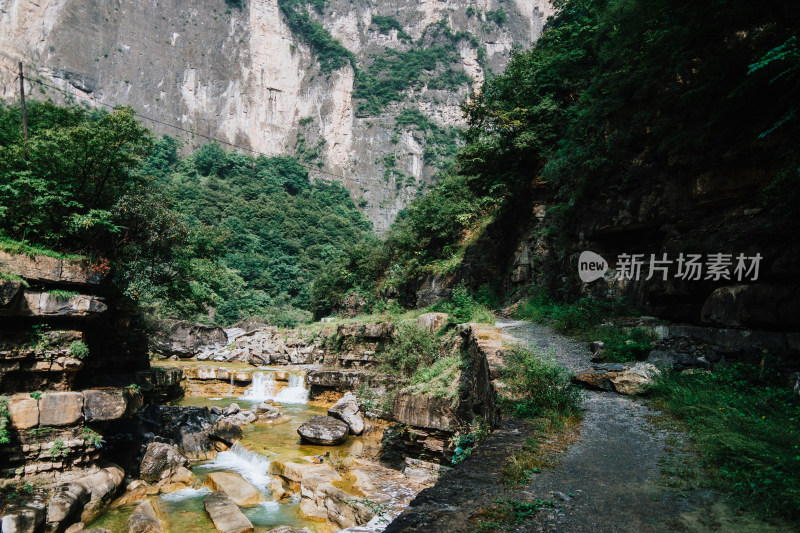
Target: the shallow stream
pixel 183 511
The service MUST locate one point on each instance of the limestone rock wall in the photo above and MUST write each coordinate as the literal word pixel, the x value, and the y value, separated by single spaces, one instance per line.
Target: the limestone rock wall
pixel 242 76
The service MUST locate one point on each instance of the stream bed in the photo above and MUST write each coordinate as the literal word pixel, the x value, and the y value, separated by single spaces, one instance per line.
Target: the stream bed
pixel 183 511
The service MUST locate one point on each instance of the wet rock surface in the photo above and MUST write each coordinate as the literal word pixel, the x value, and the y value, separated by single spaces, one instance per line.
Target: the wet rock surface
pixel 227 517
pixel 240 491
pixel 143 519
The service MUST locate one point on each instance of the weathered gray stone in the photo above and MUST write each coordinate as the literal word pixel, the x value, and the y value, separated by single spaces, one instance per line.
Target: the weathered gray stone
pixel 342 380
pixel 101 405
pixel 9 290
pixel 635 379
pixel 225 515
pixel 161 461
pixel 143 519
pixel 423 411
pixel 185 339
pixel 324 430
pixel 103 487
pixel 60 408
pixel 226 431
pixel 44 305
pixel 348 411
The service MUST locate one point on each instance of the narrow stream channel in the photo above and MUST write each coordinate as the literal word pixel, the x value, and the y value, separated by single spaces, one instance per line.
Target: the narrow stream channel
pixel 250 458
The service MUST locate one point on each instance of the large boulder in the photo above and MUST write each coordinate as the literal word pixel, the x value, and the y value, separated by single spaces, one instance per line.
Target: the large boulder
pixel 103 405
pixel 24 411
pixel 324 430
pixel 161 461
pixel 185 339
pixel 225 514
pixel 237 488
pixel 60 408
pixel 347 410
pixel 226 431
pixel 143 519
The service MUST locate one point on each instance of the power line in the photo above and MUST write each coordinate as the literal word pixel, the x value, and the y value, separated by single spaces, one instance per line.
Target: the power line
pixel 190 132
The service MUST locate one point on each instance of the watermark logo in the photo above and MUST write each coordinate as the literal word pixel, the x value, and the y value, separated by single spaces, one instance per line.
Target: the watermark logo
pixel 688 267
pixel 591 266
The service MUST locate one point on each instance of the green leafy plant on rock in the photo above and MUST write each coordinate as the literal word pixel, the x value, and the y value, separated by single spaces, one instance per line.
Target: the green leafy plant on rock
pixel 78 349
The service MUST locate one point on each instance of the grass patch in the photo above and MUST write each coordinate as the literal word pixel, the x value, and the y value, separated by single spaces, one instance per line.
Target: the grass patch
pixel 439 380
pixel 78 349
pixel 507 513
pixel 61 294
pixel 537 387
pixel 583 320
pixel 15 247
pixel 414 348
pixel 552 436
pixel 5 417
pixel 746 430
pixel 463 307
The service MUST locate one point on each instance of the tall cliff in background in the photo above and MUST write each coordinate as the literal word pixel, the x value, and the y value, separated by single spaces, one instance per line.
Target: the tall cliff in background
pixel 270 76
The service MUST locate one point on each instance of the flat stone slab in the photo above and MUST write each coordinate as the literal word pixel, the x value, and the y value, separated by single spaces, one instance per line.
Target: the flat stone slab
pixel 225 515
pixel 235 486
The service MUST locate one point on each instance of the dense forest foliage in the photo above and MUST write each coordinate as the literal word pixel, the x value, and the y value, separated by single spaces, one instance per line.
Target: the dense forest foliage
pixel 215 230
pixel 614 93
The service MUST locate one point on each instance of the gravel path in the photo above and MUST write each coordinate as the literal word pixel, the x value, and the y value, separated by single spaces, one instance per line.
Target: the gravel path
pixel 608 480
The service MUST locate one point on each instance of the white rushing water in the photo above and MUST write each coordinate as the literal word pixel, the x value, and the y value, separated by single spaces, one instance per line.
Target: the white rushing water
pixel 252 466
pixel 264 388
pixel 185 494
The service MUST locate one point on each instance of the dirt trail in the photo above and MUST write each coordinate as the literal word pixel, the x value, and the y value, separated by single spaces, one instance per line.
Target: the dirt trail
pixel 609 480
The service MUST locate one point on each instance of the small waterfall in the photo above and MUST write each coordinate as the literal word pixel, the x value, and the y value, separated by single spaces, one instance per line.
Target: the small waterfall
pixel 251 465
pixel 294 392
pixel 230 393
pixel 264 388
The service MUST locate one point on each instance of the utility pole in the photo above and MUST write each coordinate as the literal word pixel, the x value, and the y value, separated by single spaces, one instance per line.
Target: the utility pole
pixel 22 96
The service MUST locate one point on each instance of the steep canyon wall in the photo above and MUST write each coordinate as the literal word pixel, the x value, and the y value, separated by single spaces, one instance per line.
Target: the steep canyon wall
pixel 241 75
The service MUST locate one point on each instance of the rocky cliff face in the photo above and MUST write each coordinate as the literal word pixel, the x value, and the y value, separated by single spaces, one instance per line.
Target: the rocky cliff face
pixel 242 75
